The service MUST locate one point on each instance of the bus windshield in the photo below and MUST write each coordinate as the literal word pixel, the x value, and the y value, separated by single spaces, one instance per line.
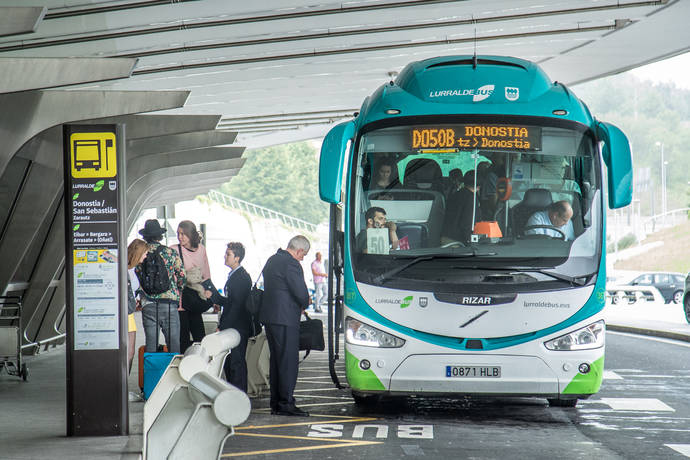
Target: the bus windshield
pixel 488 195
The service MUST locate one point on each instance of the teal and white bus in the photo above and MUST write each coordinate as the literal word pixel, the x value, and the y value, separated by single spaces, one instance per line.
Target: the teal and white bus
pixel 491 278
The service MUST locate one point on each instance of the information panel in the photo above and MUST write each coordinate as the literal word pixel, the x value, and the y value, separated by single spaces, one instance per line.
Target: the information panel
pixel 476 136
pixel 96 271
pixel 93 235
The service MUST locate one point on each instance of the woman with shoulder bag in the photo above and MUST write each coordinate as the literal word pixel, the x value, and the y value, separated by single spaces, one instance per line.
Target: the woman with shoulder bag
pixel 194 302
pixel 136 253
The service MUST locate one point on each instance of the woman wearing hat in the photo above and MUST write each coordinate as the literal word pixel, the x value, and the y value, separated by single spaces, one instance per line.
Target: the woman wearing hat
pixel 161 308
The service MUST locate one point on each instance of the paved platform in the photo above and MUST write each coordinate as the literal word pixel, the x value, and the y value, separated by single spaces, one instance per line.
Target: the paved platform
pixel 32 425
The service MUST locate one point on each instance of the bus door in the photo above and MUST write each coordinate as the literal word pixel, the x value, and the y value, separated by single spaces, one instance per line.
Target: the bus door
pixel 335 289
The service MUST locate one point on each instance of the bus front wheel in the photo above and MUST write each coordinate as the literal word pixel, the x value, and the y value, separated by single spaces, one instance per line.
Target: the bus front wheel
pixel 555 402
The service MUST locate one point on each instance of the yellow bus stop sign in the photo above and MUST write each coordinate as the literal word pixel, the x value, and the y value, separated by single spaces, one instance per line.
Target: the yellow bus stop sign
pixel 93 155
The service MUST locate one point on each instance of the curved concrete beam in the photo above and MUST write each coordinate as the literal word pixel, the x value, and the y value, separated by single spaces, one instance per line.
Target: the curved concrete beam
pixel 48 267
pixel 164 188
pixel 140 126
pixel 139 167
pixel 137 194
pixel 20 19
pixel 26 114
pixel 24 74
pixel 175 196
pixel 33 201
pixel 178 142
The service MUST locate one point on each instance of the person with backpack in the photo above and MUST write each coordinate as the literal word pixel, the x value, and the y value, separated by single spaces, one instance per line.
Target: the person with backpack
pixel 235 314
pixel 162 278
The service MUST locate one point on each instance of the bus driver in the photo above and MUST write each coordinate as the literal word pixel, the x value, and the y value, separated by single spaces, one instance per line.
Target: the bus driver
pixel 559 215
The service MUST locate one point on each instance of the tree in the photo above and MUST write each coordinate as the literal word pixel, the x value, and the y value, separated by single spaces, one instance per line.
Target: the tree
pixel 647 113
pixel 283 178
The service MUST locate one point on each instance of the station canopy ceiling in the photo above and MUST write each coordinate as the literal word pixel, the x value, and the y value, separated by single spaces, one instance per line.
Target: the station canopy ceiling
pixel 283 70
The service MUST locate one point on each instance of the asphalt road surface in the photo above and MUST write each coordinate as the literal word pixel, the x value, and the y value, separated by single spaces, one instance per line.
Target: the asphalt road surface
pixel 642 411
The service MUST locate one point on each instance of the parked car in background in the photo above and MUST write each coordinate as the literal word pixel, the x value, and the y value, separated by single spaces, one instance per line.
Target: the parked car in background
pixel 651 286
pixel 671 285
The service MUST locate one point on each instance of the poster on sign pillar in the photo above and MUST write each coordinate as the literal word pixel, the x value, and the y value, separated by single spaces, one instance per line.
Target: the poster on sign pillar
pixel 96 280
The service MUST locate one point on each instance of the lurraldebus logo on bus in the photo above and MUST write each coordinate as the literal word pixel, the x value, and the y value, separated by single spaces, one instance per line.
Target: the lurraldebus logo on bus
pixel 404 303
pixel 478 94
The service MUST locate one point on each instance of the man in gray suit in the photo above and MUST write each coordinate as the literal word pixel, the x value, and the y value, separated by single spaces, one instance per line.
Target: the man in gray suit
pixel 285 297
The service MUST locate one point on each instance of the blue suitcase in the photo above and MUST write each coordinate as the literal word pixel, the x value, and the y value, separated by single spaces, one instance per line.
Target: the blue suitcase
pixel 155 365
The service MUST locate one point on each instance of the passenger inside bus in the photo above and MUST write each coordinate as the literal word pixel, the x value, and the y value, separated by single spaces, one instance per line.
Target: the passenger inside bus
pixel 455 182
pixel 489 178
pixel 385 179
pixel 555 222
pixel 386 176
pixel 462 211
pixel 372 240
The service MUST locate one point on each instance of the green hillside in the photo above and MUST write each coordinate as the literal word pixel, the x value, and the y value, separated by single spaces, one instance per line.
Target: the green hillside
pixel 673 256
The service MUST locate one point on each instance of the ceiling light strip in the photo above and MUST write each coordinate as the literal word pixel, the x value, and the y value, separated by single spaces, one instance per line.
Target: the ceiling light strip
pixel 71 12
pixel 225 22
pixel 347 112
pixel 364 49
pixel 325 119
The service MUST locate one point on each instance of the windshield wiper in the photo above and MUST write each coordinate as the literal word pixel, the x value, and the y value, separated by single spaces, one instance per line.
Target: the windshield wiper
pixel 394 271
pixel 573 280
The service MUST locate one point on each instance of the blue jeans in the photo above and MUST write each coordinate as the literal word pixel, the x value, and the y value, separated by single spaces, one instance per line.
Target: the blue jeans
pixel 161 313
pixel 320 293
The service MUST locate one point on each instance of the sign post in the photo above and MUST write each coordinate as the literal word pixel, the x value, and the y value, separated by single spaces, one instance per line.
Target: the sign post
pixel 96 283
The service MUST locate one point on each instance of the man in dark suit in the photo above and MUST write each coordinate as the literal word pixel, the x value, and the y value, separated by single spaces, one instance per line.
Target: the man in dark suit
pixel 285 297
pixel 235 315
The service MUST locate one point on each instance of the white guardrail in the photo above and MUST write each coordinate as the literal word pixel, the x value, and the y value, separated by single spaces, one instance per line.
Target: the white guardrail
pixel 255 209
pixel 626 293
pixel 191 412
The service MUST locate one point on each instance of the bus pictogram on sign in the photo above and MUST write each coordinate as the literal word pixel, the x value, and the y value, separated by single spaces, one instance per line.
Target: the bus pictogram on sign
pixel 93 155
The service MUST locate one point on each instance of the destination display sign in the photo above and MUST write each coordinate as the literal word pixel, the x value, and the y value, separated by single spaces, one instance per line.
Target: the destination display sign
pixel 92 202
pixel 476 136
pixel 95 280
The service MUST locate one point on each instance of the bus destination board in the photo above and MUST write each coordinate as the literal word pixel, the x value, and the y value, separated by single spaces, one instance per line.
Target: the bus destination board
pixel 476 136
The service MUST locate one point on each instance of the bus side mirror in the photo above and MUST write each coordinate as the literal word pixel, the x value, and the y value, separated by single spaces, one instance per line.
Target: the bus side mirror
pixel 332 161
pixel 618 159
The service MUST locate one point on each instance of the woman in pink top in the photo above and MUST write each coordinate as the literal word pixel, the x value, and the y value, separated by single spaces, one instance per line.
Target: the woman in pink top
pixel 194 303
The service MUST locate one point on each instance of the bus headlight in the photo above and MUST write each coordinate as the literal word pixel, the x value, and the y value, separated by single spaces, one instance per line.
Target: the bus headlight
pixel 586 338
pixel 359 333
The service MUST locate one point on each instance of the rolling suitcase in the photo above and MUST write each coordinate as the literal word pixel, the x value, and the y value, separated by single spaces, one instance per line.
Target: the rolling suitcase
pixel 153 364
pixel 258 365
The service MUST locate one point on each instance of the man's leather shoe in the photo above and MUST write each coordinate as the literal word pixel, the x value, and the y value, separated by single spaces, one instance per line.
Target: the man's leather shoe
pixel 295 411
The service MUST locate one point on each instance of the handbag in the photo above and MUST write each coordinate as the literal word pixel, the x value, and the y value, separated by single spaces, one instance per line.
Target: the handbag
pixel 191 301
pixel 311 335
pixel 256 295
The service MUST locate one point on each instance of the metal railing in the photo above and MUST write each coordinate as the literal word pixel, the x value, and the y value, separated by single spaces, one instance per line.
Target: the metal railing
pixel 260 211
pixel 668 219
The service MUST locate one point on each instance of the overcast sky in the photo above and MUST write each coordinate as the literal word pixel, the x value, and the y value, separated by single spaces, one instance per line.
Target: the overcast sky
pixel 675 69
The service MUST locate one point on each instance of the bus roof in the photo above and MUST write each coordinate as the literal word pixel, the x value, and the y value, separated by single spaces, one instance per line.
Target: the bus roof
pixel 473 85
